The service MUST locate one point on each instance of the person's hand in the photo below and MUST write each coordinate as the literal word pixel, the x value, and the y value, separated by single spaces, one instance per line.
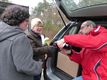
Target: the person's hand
pixel 60 43
pixel 66 52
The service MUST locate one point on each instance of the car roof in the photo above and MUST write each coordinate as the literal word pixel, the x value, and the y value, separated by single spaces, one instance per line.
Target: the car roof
pixel 97 10
pixel 3 5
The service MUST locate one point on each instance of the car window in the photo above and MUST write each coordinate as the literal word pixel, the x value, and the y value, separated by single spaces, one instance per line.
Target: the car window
pixel 73 30
pixel 73 5
pixel 76 4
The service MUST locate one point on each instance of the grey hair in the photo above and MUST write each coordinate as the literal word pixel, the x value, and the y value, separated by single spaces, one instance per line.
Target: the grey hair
pixel 89 22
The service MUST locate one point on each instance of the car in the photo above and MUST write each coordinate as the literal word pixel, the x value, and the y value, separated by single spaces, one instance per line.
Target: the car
pixel 59 66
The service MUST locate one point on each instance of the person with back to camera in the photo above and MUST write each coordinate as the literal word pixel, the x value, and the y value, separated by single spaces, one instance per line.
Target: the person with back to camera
pixel 93 56
pixel 39 42
pixel 16 62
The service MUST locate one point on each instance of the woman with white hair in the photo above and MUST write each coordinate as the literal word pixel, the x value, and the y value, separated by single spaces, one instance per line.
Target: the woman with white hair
pixel 37 39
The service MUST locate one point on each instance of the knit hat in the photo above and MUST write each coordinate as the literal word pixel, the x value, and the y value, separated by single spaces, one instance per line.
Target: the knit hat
pixel 35 21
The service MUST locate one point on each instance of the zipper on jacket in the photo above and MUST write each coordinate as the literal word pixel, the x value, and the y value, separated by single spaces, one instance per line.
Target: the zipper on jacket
pixel 95 69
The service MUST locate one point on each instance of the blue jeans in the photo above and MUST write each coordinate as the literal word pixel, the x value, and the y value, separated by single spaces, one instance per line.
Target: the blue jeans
pixel 78 78
pixel 38 77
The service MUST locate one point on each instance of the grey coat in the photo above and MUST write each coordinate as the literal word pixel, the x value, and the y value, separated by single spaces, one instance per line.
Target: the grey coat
pixel 16 53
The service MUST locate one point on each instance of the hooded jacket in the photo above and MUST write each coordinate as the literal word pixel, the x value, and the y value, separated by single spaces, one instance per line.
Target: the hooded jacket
pixel 16 53
pixel 93 56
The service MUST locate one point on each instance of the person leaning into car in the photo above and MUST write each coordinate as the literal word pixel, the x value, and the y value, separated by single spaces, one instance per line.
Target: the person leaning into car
pixel 38 42
pixel 93 56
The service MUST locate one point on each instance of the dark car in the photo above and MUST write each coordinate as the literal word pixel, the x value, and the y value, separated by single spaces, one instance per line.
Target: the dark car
pixel 59 66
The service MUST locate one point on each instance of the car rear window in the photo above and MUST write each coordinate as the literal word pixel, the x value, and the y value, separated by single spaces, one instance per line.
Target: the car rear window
pixel 71 5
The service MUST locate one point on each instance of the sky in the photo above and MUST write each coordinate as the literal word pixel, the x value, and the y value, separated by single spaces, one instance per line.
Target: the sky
pixel 30 3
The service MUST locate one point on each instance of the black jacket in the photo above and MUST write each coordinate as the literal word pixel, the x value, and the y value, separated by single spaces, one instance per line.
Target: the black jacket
pixel 39 50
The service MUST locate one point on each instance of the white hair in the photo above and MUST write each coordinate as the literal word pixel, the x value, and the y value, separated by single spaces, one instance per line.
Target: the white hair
pixel 35 21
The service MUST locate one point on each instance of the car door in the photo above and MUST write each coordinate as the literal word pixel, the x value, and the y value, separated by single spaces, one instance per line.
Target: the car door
pixel 59 66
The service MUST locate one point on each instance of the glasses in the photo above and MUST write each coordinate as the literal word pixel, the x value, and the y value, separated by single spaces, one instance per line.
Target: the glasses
pixel 84 26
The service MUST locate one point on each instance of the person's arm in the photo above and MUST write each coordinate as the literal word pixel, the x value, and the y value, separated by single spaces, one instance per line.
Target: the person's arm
pixel 83 41
pixel 75 56
pixel 23 57
pixel 41 50
pixel 60 43
pixel 49 50
pixel 38 49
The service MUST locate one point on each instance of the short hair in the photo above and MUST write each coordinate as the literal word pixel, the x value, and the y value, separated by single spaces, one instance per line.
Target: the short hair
pixel 36 21
pixel 89 22
pixel 13 15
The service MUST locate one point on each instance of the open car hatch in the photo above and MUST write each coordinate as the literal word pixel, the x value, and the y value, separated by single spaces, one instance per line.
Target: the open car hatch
pixel 83 9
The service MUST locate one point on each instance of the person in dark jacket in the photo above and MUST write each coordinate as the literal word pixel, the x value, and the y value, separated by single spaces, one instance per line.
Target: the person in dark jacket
pixel 37 39
pixel 16 62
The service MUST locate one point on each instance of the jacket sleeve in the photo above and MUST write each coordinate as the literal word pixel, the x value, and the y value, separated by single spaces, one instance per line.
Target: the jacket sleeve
pixel 41 50
pixel 84 41
pixel 23 57
pixel 75 56
pixel 38 49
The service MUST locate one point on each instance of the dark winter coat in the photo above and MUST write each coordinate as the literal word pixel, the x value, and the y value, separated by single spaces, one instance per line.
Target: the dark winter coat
pixel 39 50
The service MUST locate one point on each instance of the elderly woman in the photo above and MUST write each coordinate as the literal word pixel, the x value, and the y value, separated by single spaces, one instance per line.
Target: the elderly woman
pixel 37 39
